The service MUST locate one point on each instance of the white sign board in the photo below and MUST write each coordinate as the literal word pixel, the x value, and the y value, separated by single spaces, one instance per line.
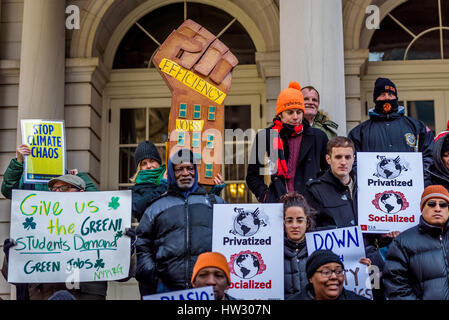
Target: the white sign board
pixel 251 237
pixel 204 293
pixel 390 185
pixel 69 236
pixel 348 244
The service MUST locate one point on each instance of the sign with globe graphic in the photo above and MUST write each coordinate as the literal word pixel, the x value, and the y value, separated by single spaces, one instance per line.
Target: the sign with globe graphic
pixel 389 188
pixel 251 237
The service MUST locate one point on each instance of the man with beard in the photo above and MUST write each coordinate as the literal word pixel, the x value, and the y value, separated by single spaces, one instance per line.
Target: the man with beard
pixel 389 130
pixel 175 229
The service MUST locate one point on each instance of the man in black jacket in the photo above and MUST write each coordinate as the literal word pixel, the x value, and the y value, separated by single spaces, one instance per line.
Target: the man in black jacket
pixel 389 130
pixel 295 150
pixel 174 229
pixel 416 267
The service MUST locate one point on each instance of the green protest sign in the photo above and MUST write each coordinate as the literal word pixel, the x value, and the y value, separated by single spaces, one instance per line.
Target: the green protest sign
pixel 78 236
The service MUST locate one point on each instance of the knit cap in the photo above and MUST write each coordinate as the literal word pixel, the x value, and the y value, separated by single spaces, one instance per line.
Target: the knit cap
pixel 319 258
pixel 434 191
pixel 211 259
pixel 384 85
pixel 290 98
pixel 146 150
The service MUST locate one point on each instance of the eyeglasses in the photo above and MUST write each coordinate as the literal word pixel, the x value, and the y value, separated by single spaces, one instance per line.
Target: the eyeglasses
pixel 433 204
pixel 63 188
pixel 328 272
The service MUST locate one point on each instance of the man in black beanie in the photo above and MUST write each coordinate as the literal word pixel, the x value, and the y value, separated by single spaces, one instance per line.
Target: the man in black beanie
pixel 326 274
pixel 388 129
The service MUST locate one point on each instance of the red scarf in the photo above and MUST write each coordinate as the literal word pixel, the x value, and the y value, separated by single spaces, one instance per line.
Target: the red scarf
pixel 278 145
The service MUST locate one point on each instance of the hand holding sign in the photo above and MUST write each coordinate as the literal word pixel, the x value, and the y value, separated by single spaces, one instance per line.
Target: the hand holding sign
pixel 22 151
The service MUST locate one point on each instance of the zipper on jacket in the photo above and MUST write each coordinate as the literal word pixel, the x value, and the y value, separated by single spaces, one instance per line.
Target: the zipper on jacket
pixel 186 277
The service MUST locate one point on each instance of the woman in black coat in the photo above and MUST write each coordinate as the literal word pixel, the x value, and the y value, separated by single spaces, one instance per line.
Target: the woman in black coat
pixel 298 218
pixel 438 172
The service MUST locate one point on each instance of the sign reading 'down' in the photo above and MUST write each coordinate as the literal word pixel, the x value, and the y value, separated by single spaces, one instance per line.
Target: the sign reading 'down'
pixel 389 190
pixel 251 237
pixel 348 244
pixel 47 144
pixel 204 293
pixel 69 236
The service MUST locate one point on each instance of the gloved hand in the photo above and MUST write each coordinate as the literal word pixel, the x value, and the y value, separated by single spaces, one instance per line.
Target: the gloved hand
pixel 130 232
pixel 8 244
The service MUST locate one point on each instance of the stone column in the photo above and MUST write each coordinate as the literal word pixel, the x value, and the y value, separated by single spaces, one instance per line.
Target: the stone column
pixel 312 52
pixel 42 61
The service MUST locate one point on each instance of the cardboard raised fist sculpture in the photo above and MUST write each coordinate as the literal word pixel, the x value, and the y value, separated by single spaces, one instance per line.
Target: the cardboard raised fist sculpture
pixel 197 68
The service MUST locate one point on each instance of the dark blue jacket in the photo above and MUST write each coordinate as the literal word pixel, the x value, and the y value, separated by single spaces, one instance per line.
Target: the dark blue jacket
pixel 295 258
pixel 393 132
pixel 416 266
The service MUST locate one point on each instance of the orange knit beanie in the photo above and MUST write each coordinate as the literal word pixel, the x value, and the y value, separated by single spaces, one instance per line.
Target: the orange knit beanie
pixel 211 259
pixel 290 98
pixel 434 191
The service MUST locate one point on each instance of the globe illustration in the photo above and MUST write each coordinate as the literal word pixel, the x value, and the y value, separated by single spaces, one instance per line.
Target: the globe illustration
pixel 390 203
pixel 388 169
pixel 246 224
pixel 246 266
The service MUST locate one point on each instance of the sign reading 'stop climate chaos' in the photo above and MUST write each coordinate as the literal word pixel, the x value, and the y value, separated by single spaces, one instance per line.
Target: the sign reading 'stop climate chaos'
pixel 47 144
pixel 390 185
pixel 251 237
pixel 69 236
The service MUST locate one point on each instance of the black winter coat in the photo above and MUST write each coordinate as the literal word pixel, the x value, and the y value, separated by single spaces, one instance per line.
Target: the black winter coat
pixel 437 173
pixel 416 265
pixel 172 233
pixel 143 194
pixel 295 258
pixel 332 200
pixel 393 132
pixel 312 160
pixel 308 294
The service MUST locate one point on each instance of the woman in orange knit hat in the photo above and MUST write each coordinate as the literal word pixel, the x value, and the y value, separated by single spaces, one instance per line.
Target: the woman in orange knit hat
pixel 296 151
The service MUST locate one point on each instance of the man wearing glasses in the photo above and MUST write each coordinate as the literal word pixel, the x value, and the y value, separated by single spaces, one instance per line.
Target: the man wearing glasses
pixel 175 229
pixel 326 274
pixel 416 266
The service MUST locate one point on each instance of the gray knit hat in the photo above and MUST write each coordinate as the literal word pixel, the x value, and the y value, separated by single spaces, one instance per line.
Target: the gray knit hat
pixel 146 150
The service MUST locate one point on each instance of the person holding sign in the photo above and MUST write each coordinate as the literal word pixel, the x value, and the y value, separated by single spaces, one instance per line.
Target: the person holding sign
pixel 295 150
pixel 326 274
pixel 211 269
pixel 416 266
pixel 87 290
pixel 298 218
pixel 13 176
pixel 389 130
pixel 174 229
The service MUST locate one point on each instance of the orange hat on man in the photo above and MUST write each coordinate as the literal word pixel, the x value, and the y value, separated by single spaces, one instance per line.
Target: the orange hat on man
pixel 290 98
pixel 211 259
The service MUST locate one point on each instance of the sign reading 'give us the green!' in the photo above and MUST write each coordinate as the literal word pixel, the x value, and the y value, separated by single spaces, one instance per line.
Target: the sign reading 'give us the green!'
pixel 69 236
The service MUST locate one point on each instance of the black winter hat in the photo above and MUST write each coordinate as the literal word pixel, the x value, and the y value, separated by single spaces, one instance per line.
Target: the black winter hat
pixel 319 258
pixel 384 85
pixel 146 150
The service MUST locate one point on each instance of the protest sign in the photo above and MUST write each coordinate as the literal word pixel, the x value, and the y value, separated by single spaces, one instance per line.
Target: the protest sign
pixel 348 244
pixel 251 237
pixel 69 236
pixel 390 185
pixel 47 143
pixel 204 293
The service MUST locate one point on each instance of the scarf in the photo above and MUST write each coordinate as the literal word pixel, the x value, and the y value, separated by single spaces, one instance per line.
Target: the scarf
pixel 386 106
pixel 151 175
pixel 278 144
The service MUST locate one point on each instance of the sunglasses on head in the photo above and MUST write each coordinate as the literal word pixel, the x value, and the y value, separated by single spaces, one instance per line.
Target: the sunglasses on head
pixel 433 204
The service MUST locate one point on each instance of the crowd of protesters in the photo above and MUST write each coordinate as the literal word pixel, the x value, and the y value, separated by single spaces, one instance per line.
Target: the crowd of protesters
pixel 314 176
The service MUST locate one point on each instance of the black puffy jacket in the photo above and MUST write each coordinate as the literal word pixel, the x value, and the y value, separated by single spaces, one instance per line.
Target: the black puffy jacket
pixel 312 160
pixel 393 132
pixel 416 265
pixel 173 231
pixel 295 257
